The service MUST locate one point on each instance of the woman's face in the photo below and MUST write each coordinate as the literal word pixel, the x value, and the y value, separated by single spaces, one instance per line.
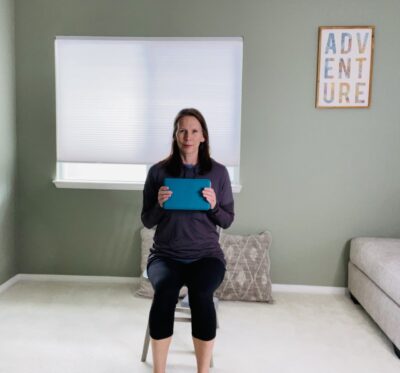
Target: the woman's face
pixel 189 135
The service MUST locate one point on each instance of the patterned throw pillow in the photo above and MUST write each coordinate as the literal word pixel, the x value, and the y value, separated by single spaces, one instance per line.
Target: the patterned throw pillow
pixel 247 276
pixel 145 289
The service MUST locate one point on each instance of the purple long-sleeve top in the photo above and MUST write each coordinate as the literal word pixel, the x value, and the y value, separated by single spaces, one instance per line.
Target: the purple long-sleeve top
pixel 187 234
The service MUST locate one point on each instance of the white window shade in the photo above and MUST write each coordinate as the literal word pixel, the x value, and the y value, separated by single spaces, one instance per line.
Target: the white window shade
pixel 117 97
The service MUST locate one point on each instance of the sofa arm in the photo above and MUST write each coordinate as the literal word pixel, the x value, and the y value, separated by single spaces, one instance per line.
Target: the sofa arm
pixel 360 244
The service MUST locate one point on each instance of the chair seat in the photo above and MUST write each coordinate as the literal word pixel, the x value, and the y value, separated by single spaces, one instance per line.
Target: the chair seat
pixel 185 302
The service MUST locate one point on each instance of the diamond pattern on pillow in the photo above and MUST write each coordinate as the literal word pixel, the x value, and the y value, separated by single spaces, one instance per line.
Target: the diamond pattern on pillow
pixel 247 276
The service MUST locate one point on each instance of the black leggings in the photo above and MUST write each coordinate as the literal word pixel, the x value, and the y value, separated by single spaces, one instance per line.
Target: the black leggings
pixel 201 277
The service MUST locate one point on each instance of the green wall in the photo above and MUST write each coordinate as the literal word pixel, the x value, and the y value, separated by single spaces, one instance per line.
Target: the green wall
pixel 8 264
pixel 314 178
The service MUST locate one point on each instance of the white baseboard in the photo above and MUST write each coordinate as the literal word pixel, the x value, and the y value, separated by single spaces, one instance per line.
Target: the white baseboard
pixel 71 278
pixel 8 283
pixel 75 278
pixel 308 289
pixel 279 288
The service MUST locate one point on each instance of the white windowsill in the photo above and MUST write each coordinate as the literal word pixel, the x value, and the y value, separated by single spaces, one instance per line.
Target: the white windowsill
pixel 115 185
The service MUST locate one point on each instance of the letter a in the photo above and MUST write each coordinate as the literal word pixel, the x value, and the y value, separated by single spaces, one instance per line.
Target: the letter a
pixel 330 44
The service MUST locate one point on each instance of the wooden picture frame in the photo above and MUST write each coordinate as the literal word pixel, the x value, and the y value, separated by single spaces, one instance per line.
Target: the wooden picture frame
pixel 345 62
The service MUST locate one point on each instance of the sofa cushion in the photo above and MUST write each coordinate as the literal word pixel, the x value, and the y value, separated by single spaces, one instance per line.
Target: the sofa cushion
pixel 379 259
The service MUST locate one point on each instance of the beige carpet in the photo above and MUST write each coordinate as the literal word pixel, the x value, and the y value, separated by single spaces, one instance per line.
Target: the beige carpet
pixel 80 327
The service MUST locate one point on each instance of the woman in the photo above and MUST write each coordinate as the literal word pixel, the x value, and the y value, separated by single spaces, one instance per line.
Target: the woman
pixel 186 249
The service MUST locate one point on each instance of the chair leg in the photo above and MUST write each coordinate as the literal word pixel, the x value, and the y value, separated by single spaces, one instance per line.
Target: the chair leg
pixel 396 351
pixel 216 315
pixel 146 343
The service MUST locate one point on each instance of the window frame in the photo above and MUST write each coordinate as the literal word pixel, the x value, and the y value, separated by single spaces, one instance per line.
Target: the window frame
pixel 70 183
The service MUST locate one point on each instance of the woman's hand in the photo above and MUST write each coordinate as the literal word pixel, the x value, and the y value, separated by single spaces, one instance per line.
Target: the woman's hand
pixel 209 195
pixel 163 194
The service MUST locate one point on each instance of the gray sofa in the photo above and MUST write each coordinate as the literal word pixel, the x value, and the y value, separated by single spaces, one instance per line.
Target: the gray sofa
pixel 374 282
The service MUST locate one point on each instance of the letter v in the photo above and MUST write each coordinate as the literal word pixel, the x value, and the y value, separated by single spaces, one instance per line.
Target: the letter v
pixel 361 47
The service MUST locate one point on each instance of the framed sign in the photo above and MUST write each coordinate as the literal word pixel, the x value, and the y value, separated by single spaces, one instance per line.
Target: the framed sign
pixel 345 60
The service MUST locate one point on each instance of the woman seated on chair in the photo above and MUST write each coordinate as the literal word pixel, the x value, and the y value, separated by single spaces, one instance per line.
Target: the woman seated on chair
pixel 186 249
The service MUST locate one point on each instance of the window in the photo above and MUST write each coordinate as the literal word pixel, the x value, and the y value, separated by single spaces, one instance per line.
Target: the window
pixel 117 98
